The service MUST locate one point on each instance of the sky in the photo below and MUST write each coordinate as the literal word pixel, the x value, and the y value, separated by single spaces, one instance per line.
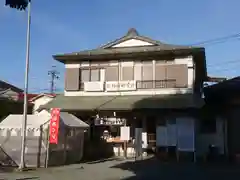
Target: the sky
pixel 60 26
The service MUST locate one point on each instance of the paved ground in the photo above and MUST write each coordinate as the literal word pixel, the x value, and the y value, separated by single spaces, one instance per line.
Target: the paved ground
pixel 130 170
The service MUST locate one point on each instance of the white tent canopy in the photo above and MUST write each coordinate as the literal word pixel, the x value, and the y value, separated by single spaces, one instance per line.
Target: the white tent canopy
pixel 36 136
pixel 13 122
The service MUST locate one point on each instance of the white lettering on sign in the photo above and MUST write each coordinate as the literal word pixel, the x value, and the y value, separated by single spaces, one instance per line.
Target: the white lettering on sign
pixel 120 85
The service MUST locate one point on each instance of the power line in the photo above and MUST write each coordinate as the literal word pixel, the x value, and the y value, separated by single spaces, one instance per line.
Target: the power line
pixel 224 66
pixel 217 40
pixel 224 63
pixel 224 71
pixel 54 74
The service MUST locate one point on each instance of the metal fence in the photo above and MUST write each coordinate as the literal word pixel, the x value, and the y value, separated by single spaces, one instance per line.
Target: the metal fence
pixel 35 152
pixel 68 150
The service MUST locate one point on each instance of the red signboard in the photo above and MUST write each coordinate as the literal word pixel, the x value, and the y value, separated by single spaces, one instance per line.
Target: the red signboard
pixel 54 126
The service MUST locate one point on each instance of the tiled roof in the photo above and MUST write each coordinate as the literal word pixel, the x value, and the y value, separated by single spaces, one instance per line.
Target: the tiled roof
pixel 40 95
pixel 4 86
pixel 30 96
pixel 131 34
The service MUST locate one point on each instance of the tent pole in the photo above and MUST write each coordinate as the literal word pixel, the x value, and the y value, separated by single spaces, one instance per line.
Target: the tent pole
pixel 48 145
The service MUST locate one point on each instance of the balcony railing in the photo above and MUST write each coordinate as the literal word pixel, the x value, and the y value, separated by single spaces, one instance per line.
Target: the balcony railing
pixel 156 84
pixel 151 84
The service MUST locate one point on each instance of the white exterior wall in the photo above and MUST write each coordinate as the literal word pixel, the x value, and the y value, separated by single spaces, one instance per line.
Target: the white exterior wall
pixel 134 42
pixel 39 102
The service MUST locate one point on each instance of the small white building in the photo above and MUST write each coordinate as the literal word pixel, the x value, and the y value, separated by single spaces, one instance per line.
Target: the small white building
pixel 40 100
pixel 68 149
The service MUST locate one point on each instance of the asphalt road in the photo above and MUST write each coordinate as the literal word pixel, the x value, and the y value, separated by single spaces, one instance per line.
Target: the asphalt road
pixel 130 170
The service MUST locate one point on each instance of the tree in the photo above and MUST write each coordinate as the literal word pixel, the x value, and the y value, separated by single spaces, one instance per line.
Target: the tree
pixel 20 5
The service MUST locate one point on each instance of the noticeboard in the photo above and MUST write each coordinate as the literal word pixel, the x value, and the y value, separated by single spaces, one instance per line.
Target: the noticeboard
pixel 125 133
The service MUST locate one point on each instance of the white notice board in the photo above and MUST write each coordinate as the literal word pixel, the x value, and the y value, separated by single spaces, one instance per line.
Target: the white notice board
pixel 185 133
pixel 125 133
pixel 171 134
pixel 161 136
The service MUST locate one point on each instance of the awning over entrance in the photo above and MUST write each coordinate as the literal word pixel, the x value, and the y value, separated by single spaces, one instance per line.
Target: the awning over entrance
pixel 124 103
pixel 74 103
pixel 180 101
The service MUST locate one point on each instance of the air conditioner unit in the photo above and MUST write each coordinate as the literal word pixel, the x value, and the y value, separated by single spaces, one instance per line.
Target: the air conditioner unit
pixel 94 86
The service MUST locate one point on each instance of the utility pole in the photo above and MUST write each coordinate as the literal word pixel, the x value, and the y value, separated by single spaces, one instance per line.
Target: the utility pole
pixel 25 105
pixel 54 74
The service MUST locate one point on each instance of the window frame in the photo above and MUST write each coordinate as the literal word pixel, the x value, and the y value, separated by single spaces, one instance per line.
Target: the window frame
pixel 89 68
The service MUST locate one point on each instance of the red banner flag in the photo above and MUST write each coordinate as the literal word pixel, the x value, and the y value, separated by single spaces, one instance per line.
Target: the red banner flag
pixel 54 126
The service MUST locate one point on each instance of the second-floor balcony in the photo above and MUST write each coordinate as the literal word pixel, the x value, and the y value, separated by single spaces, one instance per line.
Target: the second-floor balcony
pixel 156 84
pixel 109 86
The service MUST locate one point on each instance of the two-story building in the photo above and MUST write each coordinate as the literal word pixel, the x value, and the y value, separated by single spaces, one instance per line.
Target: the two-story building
pixel 139 82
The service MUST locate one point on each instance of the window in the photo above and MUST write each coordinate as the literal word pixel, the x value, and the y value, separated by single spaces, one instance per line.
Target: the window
pixel 208 126
pixel 138 73
pixel 95 75
pixel 160 75
pixel 160 72
pixel 72 79
pixel 88 75
pixel 112 73
pixel 85 75
pixel 127 73
pixel 147 71
pixel 178 72
pixel 147 75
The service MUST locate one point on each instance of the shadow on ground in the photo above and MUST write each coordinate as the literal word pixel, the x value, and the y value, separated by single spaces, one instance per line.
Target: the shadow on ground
pixel 154 169
pixel 97 151
pixel 5 169
pixel 104 160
